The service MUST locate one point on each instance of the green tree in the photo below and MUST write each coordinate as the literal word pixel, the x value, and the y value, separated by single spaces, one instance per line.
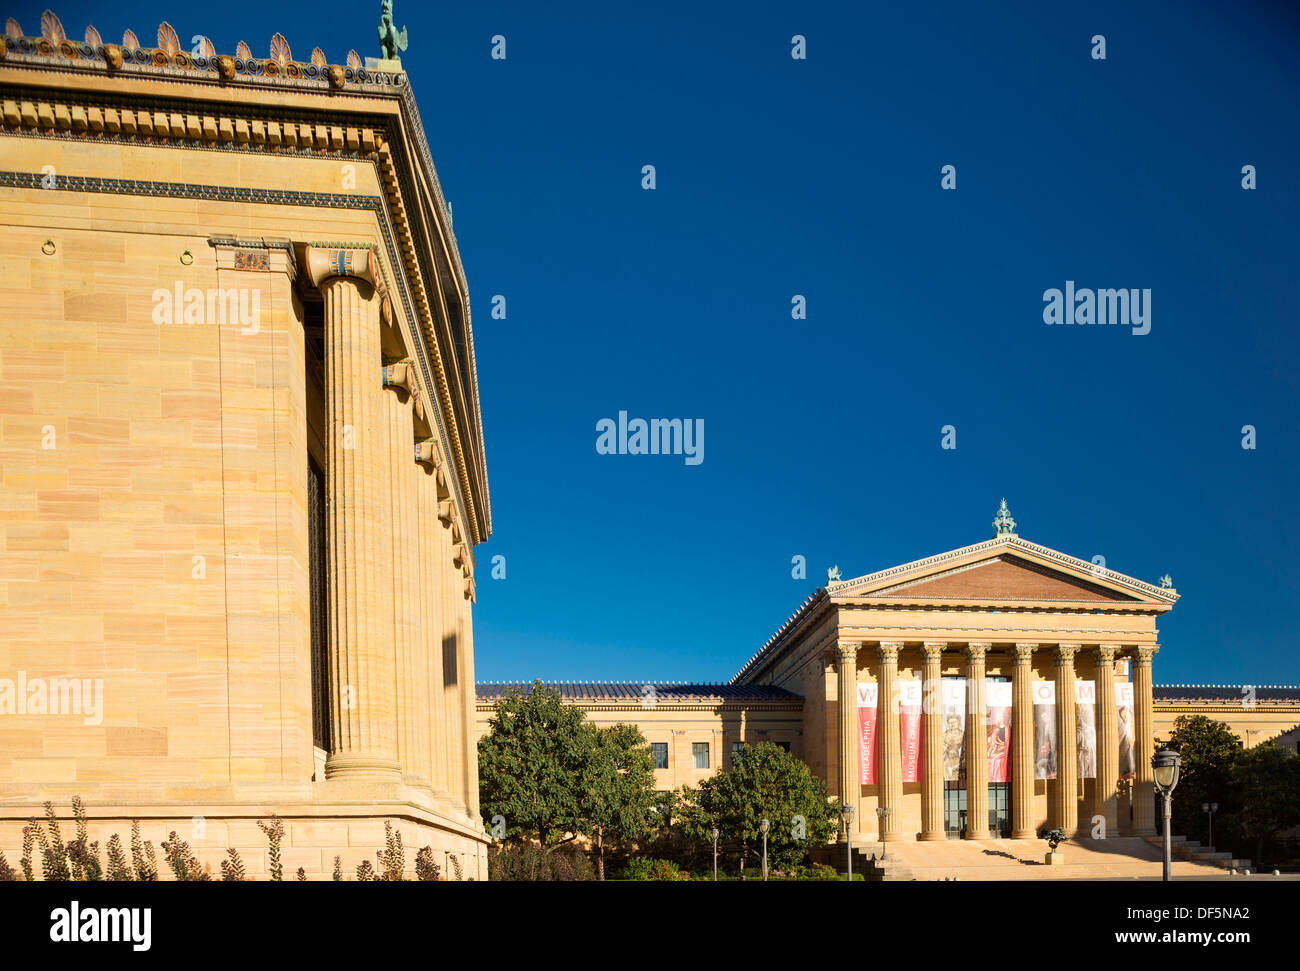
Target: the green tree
pixel 532 765
pixel 764 782
pixel 1267 785
pixel 1209 752
pixel 619 795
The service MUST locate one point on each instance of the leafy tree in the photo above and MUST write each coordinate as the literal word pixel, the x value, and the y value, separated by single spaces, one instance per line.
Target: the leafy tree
pixel 532 765
pixel 1267 783
pixel 619 794
pixel 765 782
pixel 1209 752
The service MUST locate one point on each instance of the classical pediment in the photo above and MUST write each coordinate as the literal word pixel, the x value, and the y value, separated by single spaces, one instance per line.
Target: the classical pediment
pixel 1003 569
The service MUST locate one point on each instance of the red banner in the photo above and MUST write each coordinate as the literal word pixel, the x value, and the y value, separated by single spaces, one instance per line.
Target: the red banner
pixel 867 693
pixel 997 696
pixel 909 725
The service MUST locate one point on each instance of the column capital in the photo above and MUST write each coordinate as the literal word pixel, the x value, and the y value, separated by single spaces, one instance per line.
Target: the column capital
pixel 888 650
pixel 1065 653
pixel 933 650
pixel 399 375
pixel 976 650
pixel 1024 653
pixel 1142 656
pixel 1106 653
pixel 325 261
pixel 846 651
pixel 426 454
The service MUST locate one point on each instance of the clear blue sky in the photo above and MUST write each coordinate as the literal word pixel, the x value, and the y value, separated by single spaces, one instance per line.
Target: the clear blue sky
pixel 822 177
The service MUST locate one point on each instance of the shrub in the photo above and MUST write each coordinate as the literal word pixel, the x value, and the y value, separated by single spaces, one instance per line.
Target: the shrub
pixel 184 864
pixel 142 856
pixel 533 863
pixel 644 868
pixel 425 867
pixel 392 859
pixel 232 870
pixel 117 868
pixel 274 830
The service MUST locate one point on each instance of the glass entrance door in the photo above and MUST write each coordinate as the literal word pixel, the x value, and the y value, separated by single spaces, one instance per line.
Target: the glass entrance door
pixel 954 810
pixel 1000 810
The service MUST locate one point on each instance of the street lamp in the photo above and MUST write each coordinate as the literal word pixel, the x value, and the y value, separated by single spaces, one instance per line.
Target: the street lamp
pixel 882 813
pixel 846 811
pixel 1210 808
pixel 715 854
pixel 763 827
pixel 1165 764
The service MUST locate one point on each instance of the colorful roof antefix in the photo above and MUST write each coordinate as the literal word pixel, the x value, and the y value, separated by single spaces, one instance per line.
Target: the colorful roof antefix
pixel 201 59
pixel 666 692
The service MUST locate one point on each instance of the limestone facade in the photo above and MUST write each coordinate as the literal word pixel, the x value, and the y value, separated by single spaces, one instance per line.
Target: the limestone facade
pixel 242 455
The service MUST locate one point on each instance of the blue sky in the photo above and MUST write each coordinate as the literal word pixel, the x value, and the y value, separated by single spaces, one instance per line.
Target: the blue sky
pixel 821 177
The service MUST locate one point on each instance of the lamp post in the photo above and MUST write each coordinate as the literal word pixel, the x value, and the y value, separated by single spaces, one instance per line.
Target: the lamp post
pixel 715 854
pixel 763 827
pixel 882 813
pixel 846 811
pixel 1210 808
pixel 1166 764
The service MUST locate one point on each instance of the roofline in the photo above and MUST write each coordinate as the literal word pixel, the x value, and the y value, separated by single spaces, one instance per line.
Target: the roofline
pixel 832 591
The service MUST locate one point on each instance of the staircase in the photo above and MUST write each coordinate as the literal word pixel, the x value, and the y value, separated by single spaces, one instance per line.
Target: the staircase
pixel 1192 850
pixel 1122 858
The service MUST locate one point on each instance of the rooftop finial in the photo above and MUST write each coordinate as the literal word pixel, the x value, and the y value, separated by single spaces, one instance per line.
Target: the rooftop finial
pixel 1167 582
pixel 391 41
pixel 1003 524
pixel 832 575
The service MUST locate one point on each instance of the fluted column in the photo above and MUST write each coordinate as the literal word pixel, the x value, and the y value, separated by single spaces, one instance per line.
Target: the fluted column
pixel 465 644
pixel 363 707
pixel 1065 802
pixel 889 749
pixel 847 686
pixel 1144 817
pixel 932 743
pixel 1022 743
pixel 411 701
pixel 453 674
pixel 429 532
pixel 977 746
pixel 1105 796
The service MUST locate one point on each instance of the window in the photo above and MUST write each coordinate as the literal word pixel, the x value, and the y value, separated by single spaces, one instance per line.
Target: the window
pixel 660 752
pixel 700 754
pixel 783 746
pixel 737 746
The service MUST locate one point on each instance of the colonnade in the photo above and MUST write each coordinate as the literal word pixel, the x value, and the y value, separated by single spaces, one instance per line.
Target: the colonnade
pixel 1098 664
pixel 400 572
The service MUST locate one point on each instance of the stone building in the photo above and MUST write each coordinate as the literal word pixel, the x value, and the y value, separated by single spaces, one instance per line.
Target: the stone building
pixel 243 467
pixel 962 692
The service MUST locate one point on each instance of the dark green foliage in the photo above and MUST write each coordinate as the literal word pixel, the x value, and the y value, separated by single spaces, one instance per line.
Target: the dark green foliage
pixel 338 869
pixel 7 873
pixel 366 872
pixel 531 762
pixel 619 798
pixel 83 855
pixel 302 875
pixel 764 782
